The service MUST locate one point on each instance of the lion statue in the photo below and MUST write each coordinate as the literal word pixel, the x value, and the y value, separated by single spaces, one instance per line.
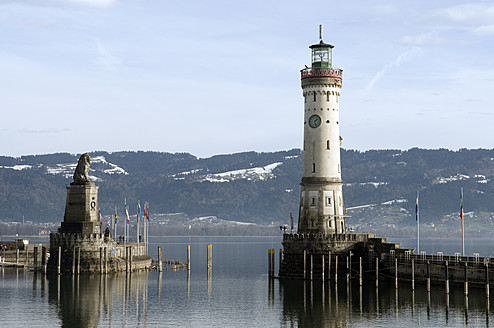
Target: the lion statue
pixel 82 169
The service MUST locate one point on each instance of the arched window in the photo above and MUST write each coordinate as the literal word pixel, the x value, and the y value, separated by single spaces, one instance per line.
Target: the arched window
pixel 313 167
pixel 327 96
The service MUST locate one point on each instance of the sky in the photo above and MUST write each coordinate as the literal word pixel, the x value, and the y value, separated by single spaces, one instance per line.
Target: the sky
pixel 217 77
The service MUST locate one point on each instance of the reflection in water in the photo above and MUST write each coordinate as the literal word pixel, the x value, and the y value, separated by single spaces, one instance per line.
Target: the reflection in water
pixel 81 301
pixel 341 305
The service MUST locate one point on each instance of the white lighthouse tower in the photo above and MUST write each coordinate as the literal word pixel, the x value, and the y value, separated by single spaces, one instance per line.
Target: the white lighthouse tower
pixel 321 199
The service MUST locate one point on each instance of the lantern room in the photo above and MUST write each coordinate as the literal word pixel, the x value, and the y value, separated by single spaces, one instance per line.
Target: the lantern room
pixel 322 55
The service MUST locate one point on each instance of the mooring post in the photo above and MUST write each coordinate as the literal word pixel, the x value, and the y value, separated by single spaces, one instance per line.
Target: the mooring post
pixel 78 260
pixel 59 259
pixel 280 253
pixel 127 259
pixel 360 272
pixel 322 265
pixel 311 265
pixel 329 265
pixel 269 262
pixel 160 265
pixel 305 261
pixel 188 257
pixel 43 258
pixel 16 255
pixel 336 268
pixel 487 292
pixel 428 276
pixel 377 272
pixel 446 277
pixel 466 278
pixel 272 261
pixel 348 268
pixel 413 274
pixel 35 259
pixel 73 260
pixel 396 273
pixel 101 260
pixel 106 260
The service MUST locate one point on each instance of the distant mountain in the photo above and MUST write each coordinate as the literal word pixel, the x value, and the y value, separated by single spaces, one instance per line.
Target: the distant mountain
pixel 379 185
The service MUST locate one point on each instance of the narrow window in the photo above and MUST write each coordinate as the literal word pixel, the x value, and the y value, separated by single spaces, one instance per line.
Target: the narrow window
pixel 328 203
pixel 329 223
pixel 342 231
pixel 327 96
pixel 328 145
pixel 313 201
pixel 312 223
pixel 314 96
pixel 314 167
pixel 305 98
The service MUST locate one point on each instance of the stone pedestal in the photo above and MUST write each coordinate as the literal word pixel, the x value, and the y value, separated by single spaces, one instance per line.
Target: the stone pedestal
pixel 81 209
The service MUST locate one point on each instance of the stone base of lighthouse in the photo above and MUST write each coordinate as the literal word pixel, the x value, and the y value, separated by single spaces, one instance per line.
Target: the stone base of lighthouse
pixel 304 253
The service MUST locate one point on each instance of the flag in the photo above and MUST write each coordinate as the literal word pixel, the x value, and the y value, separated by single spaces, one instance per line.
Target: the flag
pixel 417 207
pixel 127 212
pixel 461 204
pixel 115 215
pixel 100 217
pixel 146 213
pixel 139 212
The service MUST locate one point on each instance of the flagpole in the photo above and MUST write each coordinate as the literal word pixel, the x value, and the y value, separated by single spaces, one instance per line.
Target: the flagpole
pixel 418 222
pixel 462 224
pixel 138 212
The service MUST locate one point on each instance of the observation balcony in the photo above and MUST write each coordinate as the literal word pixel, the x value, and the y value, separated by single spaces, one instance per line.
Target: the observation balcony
pixel 321 72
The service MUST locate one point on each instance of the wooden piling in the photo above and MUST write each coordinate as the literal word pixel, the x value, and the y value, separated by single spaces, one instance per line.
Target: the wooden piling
pixel 106 260
pixel 336 268
pixel 160 264
pixel 272 261
pixel 446 276
pixel 329 265
pixel 311 265
pixel 377 272
pixel 35 264
pixel 396 273
pixel 16 255
pixel 487 291
pixel 280 253
pixel 269 262
pixel 360 272
pixel 305 262
pixel 78 260
pixel 101 260
pixel 466 278
pixel 73 260
pixel 188 257
pixel 59 259
pixel 428 276
pixel 43 258
pixel 322 267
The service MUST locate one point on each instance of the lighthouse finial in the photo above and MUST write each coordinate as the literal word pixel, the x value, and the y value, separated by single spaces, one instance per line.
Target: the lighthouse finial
pixel 320 32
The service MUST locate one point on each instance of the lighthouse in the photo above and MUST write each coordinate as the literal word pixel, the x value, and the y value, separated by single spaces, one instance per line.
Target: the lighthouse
pixel 321 198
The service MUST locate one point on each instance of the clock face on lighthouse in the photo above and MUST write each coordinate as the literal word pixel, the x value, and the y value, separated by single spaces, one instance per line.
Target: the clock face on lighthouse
pixel 314 121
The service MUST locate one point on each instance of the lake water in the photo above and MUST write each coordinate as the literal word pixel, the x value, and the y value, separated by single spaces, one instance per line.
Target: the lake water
pixel 239 294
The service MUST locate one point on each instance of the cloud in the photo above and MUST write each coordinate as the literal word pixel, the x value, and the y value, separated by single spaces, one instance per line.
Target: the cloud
pixel 406 56
pixel 81 3
pixel 106 59
pixel 468 13
pixel 422 39
pixel 44 131
pixel 484 30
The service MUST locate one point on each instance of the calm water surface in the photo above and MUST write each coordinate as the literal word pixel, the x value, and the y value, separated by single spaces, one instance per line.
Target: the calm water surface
pixel 238 294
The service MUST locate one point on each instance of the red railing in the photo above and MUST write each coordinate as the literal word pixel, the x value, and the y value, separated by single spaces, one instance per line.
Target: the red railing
pixel 324 72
